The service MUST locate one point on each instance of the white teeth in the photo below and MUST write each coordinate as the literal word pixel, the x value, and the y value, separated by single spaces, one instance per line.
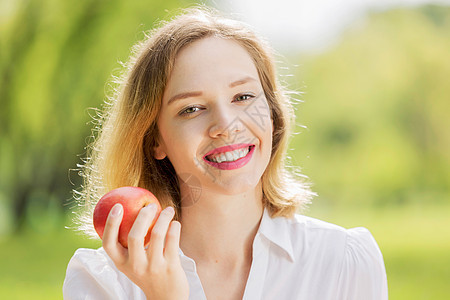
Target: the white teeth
pixel 229 156
pixel 235 155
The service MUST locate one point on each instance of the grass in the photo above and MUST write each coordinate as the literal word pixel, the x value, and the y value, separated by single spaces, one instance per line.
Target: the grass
pixel 33 264
pixel 415 242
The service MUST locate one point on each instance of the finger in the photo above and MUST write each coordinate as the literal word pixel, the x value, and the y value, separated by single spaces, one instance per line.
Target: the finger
pixel 159 232
pixel 110 240
pixel 138 232
pixel 171 250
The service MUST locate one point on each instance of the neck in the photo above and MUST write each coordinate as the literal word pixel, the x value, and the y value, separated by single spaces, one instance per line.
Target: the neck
pixel 221 228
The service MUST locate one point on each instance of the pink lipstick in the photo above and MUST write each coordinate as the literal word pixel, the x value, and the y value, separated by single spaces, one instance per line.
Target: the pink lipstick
pixel 219 157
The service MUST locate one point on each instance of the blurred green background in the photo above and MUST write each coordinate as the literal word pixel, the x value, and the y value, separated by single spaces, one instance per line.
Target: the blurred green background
pixel 376 144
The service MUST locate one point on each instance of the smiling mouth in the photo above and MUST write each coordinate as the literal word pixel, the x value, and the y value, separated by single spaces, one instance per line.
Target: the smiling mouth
pixel 229 156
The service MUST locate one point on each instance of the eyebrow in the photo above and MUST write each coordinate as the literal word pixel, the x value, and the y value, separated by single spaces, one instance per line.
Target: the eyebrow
pixel 184 96
pixel 198 93
pixel 242 81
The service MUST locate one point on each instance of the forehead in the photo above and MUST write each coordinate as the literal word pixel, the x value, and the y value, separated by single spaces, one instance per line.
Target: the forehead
pixel 210 60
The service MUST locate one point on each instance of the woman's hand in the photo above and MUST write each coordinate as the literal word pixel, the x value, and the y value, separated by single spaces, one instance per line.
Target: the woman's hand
pixel 156 270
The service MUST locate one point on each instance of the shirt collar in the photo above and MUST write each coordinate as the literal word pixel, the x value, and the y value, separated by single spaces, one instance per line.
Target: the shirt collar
pixel 277 231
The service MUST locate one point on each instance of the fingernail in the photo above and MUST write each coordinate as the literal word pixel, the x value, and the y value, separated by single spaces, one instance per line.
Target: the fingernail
pixel 151 206
pixel 116 210
pixel 170 209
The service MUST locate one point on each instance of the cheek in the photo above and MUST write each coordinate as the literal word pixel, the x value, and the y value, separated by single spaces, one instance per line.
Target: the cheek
pixel 258 115
pixel 172 133
pixel 268 139
pixel 182 138
pixel 257 119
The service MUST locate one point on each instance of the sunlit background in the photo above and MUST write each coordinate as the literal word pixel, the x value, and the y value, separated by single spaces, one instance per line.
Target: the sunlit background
pixel 373 83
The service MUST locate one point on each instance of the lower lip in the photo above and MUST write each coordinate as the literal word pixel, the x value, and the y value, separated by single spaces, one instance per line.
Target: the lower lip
pixel 231 165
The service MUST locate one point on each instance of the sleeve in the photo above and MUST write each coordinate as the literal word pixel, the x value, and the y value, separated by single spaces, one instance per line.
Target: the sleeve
pixel 363 274
pixel 91 274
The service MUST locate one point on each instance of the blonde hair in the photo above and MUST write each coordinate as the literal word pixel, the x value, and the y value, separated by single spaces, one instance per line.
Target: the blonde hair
pixel 122 154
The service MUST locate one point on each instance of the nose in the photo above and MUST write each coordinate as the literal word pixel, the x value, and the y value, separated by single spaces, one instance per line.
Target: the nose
pixel 224 123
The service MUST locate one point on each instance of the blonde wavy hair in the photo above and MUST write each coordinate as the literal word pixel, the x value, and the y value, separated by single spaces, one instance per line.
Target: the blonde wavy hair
pixel 122 153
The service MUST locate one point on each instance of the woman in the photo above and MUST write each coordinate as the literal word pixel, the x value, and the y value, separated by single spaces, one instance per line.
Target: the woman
pixel 201 121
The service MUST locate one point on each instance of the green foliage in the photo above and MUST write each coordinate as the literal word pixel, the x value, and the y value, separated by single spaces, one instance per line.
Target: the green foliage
pixel 55 60
pixel 376 107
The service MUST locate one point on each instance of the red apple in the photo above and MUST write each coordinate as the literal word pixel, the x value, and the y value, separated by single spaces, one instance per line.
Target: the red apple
pixel 133 199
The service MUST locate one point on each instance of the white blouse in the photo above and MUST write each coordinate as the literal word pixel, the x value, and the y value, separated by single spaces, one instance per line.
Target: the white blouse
pixel 298 258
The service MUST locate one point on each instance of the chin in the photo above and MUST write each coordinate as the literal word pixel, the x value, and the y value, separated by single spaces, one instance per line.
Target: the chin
pixel 237 186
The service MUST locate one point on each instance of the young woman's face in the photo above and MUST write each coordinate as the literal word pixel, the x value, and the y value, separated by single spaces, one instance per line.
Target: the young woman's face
pixel 215 122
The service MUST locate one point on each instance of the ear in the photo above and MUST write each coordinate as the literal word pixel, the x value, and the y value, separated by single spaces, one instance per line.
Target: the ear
pixel 159 152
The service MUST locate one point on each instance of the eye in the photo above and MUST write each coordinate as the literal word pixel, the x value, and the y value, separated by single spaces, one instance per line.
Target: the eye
pixel 244 97
pixel 188 110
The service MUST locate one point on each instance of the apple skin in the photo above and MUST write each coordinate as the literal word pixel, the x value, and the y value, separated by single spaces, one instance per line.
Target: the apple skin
pixel 133 199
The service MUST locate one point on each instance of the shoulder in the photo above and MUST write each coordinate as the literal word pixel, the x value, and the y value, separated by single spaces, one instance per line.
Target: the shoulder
pixel 317 235
pixel 303 237
pixel 344 243
pixel 351 254
pixel 92 261
pixel 363 272
pixel 92 273
pixel 314 230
